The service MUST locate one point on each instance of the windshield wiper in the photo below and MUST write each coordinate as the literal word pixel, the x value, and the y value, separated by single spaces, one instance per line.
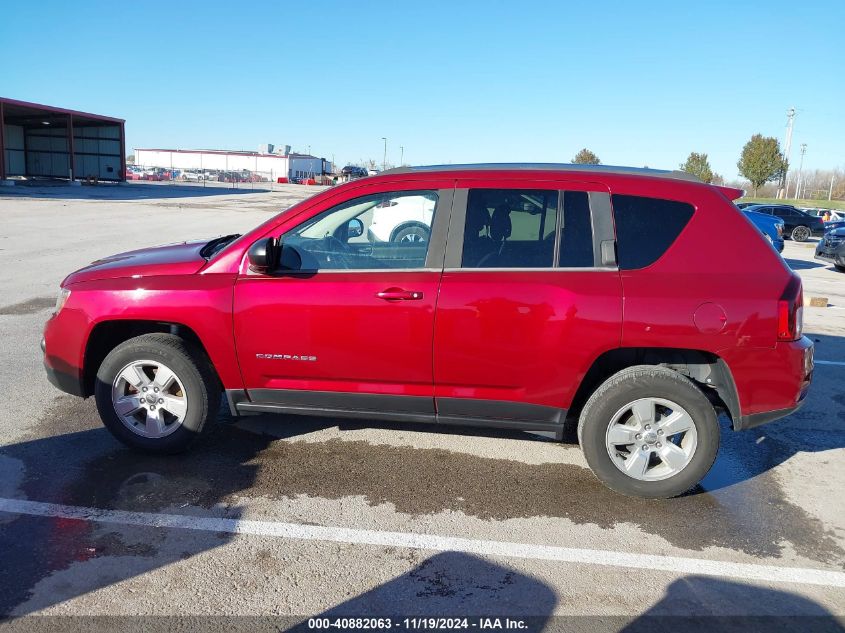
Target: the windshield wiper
pixel 217 244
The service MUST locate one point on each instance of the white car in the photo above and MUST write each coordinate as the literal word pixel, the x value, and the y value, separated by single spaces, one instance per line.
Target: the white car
pixel 403 219
pixel 192 176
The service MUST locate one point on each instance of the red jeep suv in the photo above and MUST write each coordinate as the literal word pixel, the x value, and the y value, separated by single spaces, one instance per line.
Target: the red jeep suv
pixel 534 296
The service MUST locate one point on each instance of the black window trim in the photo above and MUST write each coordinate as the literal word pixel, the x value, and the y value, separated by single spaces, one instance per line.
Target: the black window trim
pixel 600 216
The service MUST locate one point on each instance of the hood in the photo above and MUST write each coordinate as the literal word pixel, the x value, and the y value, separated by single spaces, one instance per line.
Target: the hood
pixel 840 232
pixel 182 258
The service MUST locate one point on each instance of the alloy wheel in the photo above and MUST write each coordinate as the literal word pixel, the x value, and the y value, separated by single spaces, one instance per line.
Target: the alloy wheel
pixel 149 398
pixel 651 439
pixel 800 233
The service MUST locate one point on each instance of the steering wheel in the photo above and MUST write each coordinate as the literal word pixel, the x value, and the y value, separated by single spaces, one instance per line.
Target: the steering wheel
pixel 339 250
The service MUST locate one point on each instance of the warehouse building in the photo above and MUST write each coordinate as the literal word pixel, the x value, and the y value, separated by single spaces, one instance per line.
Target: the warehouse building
pixel 272 164
pixel 39 141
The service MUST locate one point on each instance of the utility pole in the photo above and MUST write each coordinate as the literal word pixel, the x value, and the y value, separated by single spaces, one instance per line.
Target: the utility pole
pixel 830 191
pixel 384 158
pixel 401 155
pixel 787 148
pixel 800 167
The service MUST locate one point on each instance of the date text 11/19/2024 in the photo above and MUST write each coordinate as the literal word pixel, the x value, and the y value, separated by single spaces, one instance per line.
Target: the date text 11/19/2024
pixel 418 623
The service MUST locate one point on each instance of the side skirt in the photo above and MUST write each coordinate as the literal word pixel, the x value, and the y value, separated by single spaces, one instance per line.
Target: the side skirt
pixel 414 409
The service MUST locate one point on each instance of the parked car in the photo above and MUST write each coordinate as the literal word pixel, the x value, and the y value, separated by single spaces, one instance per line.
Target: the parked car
pixel 353 171
pixel 405 219
pixel 831 248
pixel 836 224
pixel 191 176
pixel 798 225
pixel 770 226
pixel 820 213
pixel 743 205
pixel 510 315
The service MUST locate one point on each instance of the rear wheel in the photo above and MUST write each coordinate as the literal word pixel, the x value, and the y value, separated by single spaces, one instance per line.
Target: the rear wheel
pixel 800 234
pixel 156 392
pixel 649 432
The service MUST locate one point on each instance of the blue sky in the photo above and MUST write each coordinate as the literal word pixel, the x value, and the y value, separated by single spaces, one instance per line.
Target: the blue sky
pixel 639 83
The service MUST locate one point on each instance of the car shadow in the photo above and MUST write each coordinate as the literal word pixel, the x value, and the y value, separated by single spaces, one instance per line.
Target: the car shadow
pixel 800 264
pixel 453 585
pixel 703 604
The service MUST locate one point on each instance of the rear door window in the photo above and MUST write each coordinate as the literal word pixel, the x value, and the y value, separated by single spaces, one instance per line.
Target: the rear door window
pixel 576 231
pixel 526 228
pixel 510 228
pixel 646 228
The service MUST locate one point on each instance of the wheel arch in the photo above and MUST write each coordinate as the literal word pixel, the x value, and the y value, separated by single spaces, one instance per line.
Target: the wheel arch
pixel 707 370
pixel 106 335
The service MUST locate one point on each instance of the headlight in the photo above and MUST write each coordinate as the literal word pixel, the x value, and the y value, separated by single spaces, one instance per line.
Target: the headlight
pixel 64 293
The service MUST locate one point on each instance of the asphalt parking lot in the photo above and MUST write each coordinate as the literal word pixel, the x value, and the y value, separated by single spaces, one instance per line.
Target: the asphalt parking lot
pixel 282 516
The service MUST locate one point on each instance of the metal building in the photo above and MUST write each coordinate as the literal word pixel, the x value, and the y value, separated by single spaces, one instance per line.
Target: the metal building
pixel 44 141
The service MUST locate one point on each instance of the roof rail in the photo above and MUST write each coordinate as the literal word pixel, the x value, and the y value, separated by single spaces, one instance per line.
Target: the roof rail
pixel 608 169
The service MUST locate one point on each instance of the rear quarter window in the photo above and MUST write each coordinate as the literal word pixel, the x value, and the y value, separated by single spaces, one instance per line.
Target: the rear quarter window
pixel 646 227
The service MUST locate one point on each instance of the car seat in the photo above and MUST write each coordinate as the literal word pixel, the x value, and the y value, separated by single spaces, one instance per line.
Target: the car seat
pixel 500 230
pixel 477 245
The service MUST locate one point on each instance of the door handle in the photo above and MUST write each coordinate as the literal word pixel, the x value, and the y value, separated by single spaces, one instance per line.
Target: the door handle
pixel 397 294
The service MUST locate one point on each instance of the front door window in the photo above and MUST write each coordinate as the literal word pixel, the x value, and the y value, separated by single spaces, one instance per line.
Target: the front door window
pixel 379 231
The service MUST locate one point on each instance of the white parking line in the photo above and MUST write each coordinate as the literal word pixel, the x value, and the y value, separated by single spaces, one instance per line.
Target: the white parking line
pixel 828 362
pixel 766 573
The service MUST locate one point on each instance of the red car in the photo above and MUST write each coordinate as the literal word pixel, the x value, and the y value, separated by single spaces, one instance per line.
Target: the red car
pixel 544 295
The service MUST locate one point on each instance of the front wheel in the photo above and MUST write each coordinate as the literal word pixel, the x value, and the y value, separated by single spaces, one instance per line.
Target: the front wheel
pixel 156 392
pixel 800 234
pixel 648 431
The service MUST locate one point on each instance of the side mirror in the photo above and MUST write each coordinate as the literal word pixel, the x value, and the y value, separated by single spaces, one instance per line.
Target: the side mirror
pixel 263 255
pixel 355 228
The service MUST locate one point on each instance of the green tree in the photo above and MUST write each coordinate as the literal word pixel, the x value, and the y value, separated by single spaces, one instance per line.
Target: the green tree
pixel 586 157
pixel 761 161
pixel 698 165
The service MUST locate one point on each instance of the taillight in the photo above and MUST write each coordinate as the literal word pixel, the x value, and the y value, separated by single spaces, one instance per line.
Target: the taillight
pixel 791 311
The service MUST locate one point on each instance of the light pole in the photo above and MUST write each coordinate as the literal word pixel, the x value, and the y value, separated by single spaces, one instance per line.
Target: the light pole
pixel 790 122
pixel 384 158
pixel 401 155
pixel 800 167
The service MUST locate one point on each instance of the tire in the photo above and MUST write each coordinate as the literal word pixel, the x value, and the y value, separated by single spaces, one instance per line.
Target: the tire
pixel 839 267
pixel 647 385
pixel 800 234
pixel 415 233
pixel 193 393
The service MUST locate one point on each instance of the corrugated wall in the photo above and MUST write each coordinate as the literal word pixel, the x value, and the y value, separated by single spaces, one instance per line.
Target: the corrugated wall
pixel 96 152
